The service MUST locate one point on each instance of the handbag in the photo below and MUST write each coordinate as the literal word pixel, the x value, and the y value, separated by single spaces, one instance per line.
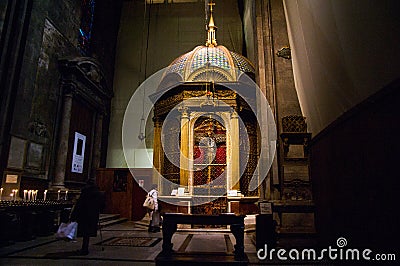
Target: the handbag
pixel 67 231
pixel 149 202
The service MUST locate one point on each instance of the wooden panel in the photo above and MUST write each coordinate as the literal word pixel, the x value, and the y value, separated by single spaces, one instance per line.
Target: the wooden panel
pixel 82 122
pixel 116 202
pixel 235 206
pixel 139 194
pixel 128 203
pixel 248 208
pixel 295 171
pixel 354 168
pixel 171 208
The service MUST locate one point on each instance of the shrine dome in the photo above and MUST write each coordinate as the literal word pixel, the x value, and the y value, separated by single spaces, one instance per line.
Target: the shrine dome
pixel 208 63
pixel 205 63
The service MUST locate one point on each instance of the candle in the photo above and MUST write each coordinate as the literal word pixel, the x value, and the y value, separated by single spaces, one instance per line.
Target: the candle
pixel 25 193
pixel 66 195
pixel 29 195
pixel 58 196
pixel 1 192
pixel 15 195
pixel 34 195
pixel 44 195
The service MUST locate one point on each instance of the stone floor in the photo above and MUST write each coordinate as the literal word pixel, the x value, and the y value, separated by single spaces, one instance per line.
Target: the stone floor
pixel 50 251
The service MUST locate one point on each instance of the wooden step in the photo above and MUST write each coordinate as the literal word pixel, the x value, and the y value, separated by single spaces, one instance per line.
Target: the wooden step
pixel 110 219
pixel 112 222
pixel 108 216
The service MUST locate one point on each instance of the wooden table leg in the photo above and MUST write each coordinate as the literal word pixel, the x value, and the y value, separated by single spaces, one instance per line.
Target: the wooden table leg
pixel 238 232
pixel 168 230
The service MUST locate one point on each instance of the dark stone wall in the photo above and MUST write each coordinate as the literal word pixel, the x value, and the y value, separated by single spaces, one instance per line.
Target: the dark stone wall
pixel 52 34
pixel 104 45
pixel 105 33
pixel 14 28
pixel 354 169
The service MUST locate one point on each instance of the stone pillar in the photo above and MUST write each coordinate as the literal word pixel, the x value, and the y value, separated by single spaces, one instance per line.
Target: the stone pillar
pixel 158 154
pixel 234 149
pixel 184 157
pixel 62 151
pixel 267 78
pixel 98 134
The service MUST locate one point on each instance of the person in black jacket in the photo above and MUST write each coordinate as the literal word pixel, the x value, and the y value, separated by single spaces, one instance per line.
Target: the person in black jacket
pixel 86 213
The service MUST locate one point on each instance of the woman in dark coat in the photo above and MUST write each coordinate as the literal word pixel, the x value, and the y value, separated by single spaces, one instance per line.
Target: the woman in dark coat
pixel 86 213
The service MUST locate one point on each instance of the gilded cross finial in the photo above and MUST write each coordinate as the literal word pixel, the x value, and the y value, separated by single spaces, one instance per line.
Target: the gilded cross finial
pixel 211 39
pixel 211 6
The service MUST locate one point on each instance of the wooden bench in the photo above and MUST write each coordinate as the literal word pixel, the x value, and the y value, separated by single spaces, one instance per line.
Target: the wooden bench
pixel 236 222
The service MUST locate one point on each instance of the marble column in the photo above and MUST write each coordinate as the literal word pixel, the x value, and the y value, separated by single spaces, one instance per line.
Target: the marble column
pixel 62 151
pixel 184 157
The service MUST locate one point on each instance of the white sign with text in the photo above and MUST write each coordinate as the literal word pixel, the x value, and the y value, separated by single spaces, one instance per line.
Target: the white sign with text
pixel 78 155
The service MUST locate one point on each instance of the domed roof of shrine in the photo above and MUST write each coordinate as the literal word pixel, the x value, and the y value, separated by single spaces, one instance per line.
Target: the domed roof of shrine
pixel 210 63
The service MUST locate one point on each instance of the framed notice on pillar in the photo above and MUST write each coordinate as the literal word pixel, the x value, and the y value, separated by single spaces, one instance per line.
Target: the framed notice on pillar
pixel 78 155
pixel 265 207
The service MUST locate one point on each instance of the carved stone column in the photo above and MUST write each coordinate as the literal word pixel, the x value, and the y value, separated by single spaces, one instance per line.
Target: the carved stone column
pixel 234 149
pixel 184 157
pixel 85 104
pixel 62 152
pixel 158 154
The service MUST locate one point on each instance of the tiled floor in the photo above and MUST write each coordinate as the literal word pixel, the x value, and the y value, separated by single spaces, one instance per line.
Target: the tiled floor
pixel 50 251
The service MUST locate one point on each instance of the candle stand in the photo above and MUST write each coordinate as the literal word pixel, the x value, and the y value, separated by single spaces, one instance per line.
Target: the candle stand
pixel 24 220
